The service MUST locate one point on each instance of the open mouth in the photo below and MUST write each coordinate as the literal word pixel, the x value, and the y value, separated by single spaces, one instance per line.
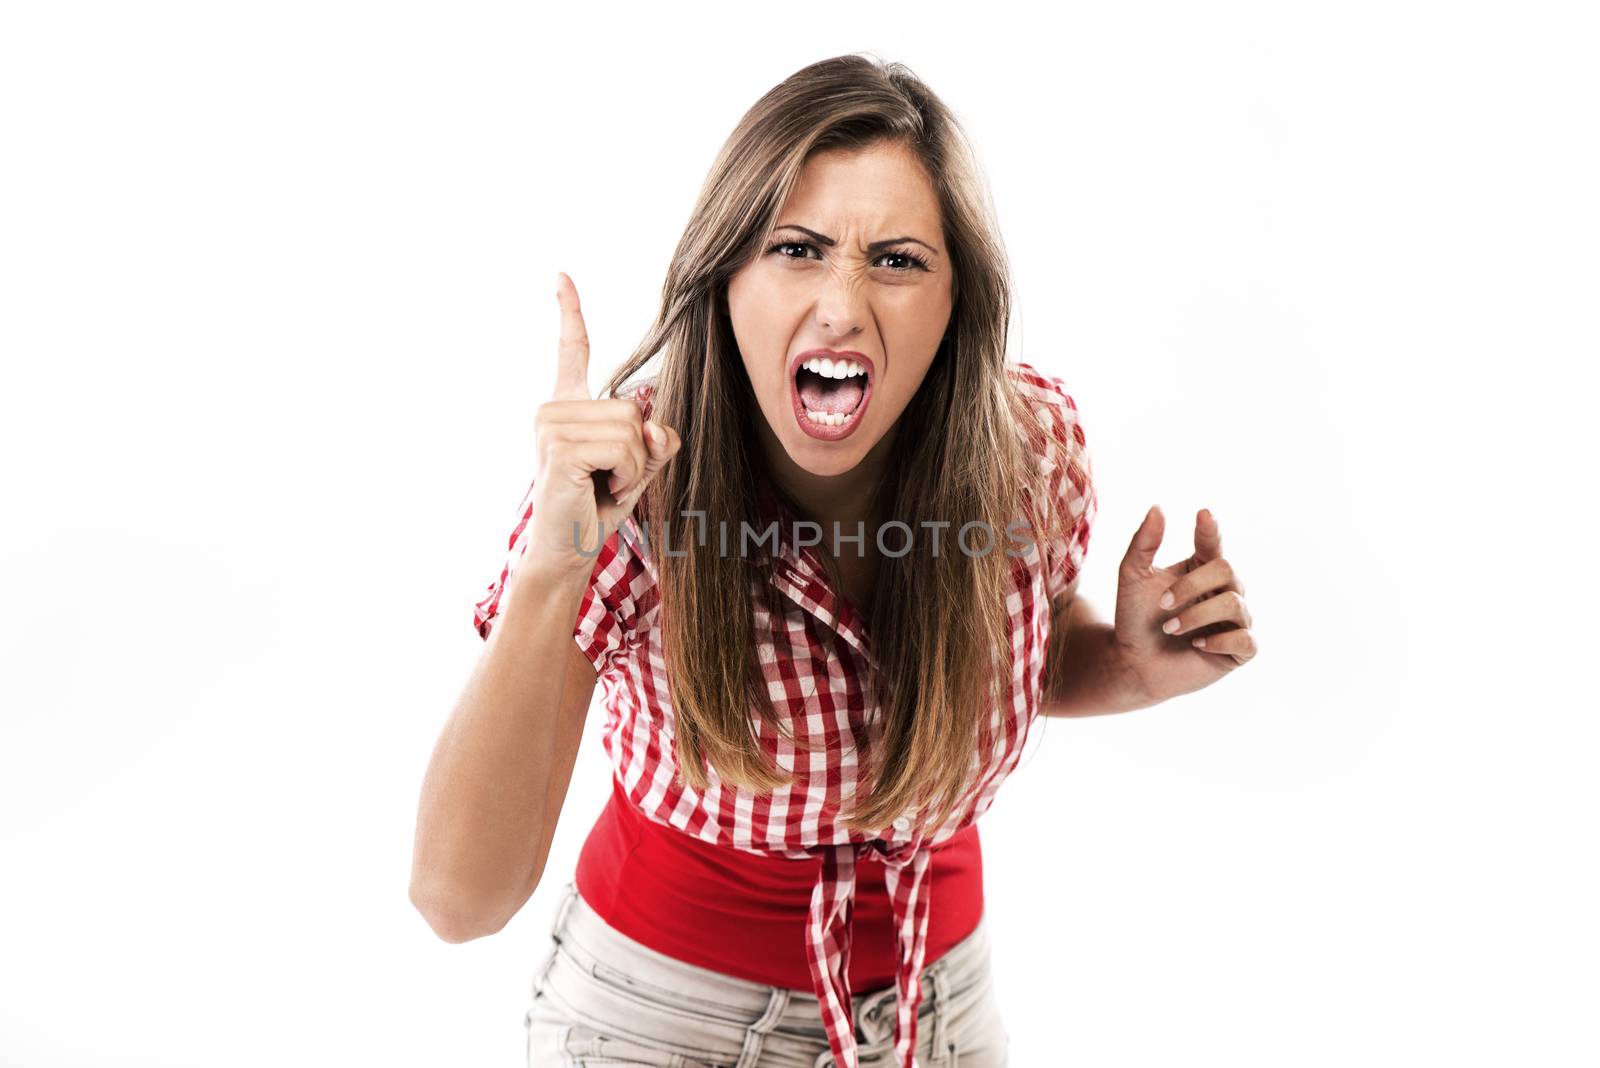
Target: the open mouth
pixel 830 396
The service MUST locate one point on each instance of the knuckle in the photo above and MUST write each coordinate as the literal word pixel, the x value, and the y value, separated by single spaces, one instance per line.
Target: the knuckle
pixel 550 433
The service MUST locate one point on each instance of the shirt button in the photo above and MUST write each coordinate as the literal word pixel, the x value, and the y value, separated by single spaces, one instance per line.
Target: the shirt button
pixel 903 823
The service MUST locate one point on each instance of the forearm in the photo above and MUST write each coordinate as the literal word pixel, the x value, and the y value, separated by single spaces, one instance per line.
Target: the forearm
pixel 1086 673
pixel 483 820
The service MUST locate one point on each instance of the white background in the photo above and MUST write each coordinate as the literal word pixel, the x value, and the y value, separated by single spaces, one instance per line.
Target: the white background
pixel 276 308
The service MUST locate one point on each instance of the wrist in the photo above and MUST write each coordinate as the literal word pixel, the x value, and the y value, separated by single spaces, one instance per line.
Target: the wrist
pixel 1133 687
pixel 540 576
pixel 1092 673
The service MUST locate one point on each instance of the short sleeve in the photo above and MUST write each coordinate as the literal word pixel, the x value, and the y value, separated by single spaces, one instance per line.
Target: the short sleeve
pixel 1068 471
pixel 619 589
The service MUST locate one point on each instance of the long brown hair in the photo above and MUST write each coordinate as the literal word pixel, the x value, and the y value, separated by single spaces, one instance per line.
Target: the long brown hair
pixel 941 636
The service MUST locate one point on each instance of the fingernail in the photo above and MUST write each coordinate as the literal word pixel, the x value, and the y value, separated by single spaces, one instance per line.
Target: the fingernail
pixel 653 433
pixel 1170 625
pixel 1201 642
pixel 1167 600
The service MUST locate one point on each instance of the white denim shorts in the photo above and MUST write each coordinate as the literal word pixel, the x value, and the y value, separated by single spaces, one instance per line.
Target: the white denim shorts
pixel 602 999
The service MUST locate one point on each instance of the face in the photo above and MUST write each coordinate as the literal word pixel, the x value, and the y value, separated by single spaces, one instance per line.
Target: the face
pixel 857 266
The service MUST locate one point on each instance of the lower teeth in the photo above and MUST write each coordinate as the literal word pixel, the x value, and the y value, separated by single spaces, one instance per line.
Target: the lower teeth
pixel 827 418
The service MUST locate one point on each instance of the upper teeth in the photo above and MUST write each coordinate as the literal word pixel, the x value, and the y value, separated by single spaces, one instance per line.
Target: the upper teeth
pixel 834 368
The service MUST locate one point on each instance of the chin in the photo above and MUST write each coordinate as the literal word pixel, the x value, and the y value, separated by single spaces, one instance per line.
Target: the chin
pixel 825 459
pixel 827 466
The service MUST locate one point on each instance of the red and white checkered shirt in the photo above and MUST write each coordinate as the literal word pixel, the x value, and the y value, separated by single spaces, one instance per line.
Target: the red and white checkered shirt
pixel 824 690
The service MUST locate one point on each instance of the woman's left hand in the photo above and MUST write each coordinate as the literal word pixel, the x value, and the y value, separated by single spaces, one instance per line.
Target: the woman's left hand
pixel 1202 634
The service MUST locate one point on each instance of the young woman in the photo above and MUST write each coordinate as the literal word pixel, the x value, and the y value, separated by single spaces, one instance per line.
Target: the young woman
pixel 824 565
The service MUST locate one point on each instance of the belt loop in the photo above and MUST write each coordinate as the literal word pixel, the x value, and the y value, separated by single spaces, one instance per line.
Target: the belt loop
pixel 941 987
pixel 568 894
pixel 756 1033
pixel 553 946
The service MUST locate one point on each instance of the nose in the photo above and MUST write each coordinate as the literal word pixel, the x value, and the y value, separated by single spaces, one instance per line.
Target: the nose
pixel 842 305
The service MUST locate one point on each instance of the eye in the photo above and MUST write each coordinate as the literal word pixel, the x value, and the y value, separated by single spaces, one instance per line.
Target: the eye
pixel 915 262
pixel 790 244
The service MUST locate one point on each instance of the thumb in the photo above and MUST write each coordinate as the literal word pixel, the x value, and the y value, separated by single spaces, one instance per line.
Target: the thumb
pixel 663 443
pixel 1141 554
pixel 662 440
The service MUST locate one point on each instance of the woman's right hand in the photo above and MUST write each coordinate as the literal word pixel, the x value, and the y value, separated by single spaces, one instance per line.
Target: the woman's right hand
pixel 595 456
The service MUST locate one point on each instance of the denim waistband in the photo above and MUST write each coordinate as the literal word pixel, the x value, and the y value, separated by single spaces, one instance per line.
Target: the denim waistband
pixel 739 1003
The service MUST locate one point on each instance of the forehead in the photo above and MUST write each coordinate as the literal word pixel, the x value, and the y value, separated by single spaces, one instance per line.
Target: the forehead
pixel 866 191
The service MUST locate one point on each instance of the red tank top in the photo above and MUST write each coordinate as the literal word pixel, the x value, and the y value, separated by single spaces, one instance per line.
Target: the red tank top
pixel 684 897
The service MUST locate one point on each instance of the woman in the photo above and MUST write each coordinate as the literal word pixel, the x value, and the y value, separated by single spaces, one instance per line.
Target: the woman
pixel 803 730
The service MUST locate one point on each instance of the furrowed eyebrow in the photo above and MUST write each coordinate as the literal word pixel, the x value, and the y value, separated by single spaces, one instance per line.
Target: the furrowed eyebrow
pixel 824 240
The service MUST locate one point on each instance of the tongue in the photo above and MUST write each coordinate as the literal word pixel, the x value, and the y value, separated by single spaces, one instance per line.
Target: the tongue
pixel 838 396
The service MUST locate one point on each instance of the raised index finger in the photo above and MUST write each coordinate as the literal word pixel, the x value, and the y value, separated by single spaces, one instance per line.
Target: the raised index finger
pixel 572 358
